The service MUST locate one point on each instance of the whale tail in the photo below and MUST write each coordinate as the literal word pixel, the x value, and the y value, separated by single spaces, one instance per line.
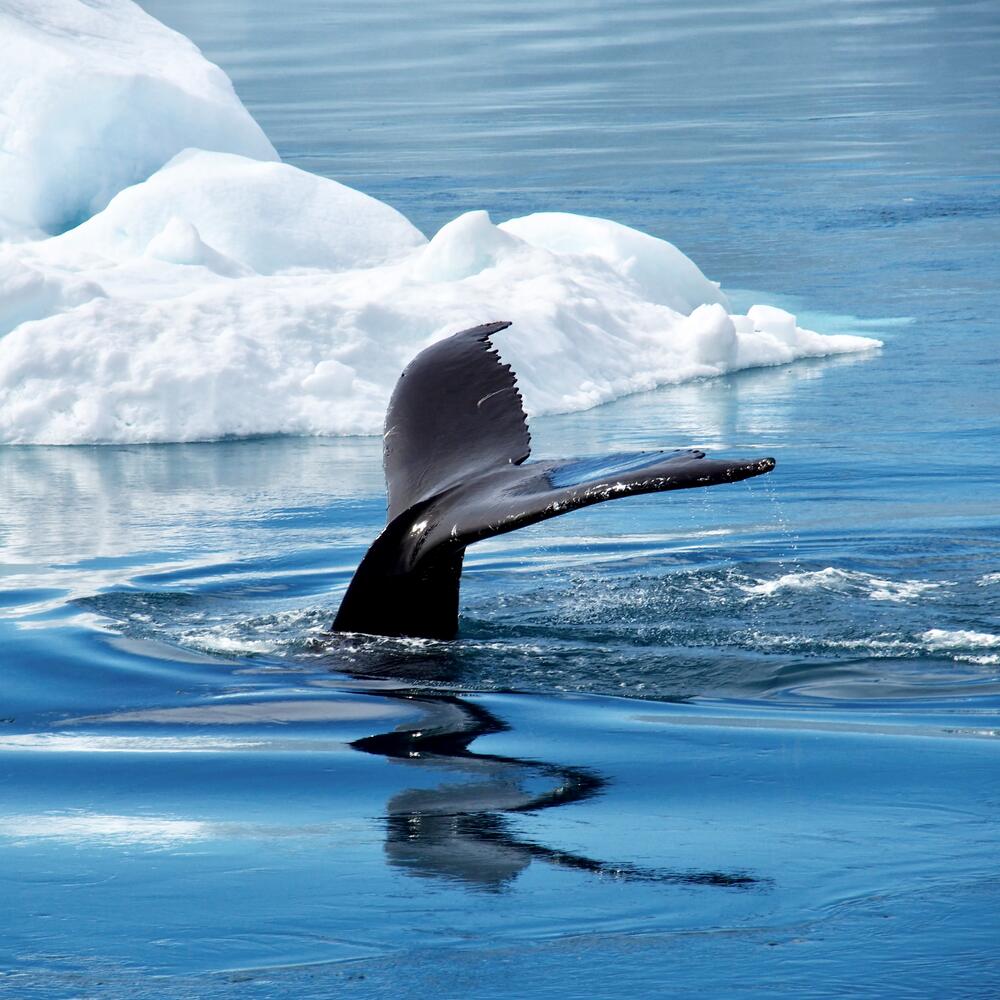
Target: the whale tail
pixel 456 441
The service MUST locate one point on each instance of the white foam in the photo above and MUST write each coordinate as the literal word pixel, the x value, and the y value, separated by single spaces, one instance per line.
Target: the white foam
pixel 211 643
pixel 227 295
pixel 939 638
pixel 845 581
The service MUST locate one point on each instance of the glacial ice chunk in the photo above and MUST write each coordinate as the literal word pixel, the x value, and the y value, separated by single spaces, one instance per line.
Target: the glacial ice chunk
pixel 211 292
pixel 96 96
pixel 463 247
pixel 660 272
pixel 269 216
pixel 28 293
pixel 179 242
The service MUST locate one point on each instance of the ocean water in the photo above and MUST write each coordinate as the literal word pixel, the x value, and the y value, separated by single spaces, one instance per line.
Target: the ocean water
pixel 724 742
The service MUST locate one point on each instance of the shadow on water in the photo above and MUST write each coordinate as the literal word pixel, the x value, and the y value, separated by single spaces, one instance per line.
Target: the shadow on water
pixel 462 831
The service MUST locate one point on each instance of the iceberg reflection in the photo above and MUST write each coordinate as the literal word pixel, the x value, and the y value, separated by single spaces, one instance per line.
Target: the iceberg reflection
pixel 103 828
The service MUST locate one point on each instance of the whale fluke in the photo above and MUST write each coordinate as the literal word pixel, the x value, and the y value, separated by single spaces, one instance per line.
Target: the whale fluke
pixel 456 441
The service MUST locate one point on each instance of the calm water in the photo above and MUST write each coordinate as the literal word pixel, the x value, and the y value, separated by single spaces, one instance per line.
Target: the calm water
pixel 725 742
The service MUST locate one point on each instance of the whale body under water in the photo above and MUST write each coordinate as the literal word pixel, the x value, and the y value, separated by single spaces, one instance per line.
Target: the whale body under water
pixel 455 456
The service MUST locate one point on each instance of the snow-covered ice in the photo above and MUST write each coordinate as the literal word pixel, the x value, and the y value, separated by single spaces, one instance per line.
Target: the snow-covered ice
pixel 96 96
pixel 269 216
pixel 208 290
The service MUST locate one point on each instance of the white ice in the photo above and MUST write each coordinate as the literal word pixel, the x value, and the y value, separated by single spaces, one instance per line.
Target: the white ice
pixel 96 96
pixel 211 291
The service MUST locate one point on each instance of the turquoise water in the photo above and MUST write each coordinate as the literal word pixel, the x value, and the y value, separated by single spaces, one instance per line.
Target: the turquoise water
pixel 722 742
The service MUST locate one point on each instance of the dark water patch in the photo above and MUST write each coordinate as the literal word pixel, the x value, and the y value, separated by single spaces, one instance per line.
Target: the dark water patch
pixel 912 210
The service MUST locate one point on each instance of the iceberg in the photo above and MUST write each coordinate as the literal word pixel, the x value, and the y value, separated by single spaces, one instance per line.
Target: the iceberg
pixel 96 96
pixel 269 216
pixel 164 277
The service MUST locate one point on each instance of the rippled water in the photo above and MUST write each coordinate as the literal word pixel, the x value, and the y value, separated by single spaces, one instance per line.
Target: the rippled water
pixel 722 741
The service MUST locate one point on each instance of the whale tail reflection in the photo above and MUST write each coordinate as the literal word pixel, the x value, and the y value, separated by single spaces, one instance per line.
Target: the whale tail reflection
pixel 461 830
pixel 456 443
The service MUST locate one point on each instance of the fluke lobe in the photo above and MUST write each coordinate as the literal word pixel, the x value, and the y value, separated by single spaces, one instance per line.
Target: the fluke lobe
pixel 456 440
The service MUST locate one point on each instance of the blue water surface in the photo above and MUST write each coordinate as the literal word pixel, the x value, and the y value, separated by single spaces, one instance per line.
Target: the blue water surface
pixel 726 743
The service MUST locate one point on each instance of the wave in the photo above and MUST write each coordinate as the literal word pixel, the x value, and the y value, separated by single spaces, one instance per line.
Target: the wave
pixel 845 581
pixel 939 638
